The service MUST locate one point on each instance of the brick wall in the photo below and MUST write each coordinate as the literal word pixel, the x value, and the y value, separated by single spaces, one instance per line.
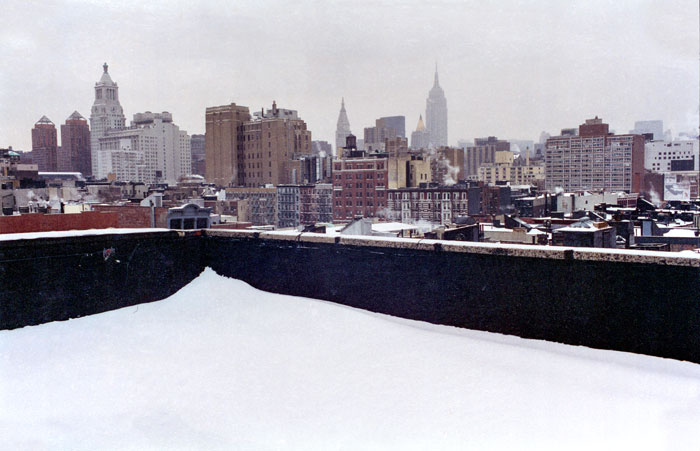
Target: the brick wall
pixel 38 222
pixel 135 216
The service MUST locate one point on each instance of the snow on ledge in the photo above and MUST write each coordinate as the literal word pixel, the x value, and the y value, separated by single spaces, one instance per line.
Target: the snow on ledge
pixel 73 233
pixel 505 249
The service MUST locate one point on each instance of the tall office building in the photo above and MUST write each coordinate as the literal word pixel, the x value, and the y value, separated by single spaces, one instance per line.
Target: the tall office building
pixel 106 114
pixel 342 130
pixel 75 155
pixel 198 153
pixel 436 114
pixel 223 143
pixel 595 159
pixel 45 145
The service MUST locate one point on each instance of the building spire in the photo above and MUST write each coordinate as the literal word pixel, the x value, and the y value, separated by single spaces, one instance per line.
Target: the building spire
pixel 342 104
pixel 105 67
pixel 436 76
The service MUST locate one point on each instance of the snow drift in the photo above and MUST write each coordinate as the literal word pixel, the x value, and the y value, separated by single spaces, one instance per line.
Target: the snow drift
pixel 221 365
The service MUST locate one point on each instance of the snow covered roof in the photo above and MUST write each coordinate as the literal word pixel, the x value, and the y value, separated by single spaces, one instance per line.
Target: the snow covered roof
pixel 392 227
pixel 221 365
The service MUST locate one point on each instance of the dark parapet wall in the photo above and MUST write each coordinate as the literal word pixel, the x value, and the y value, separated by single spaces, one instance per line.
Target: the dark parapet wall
pixel 49 279
pixel 638 302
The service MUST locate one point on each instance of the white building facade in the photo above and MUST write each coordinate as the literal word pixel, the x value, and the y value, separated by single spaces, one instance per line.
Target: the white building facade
pixel 152 150
pixel 106 114
pixel 662 156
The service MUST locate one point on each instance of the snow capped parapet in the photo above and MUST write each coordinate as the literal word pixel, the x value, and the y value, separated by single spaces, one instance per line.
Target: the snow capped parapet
pixel 501 249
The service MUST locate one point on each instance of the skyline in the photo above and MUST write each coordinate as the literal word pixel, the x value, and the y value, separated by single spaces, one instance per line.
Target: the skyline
pixel 511 70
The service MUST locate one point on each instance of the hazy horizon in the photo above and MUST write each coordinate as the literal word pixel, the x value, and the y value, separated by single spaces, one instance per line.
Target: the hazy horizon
pixel 511 69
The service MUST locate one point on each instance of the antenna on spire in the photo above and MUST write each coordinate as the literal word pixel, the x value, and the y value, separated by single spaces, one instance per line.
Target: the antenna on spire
pixel 436 74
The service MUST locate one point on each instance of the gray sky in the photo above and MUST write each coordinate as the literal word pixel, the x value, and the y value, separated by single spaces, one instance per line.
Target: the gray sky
pixel 510 68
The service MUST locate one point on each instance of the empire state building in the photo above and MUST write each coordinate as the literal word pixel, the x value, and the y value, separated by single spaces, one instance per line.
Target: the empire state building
pixel 436 114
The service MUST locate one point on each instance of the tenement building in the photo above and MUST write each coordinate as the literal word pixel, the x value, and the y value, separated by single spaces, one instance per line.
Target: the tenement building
pixel 304 204
pixel 595 159
pixel 359 184
pixel 266 149
pixel 261 204
pixel 438 205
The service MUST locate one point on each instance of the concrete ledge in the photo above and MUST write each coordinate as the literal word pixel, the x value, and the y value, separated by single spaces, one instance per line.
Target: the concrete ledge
pixel 510 250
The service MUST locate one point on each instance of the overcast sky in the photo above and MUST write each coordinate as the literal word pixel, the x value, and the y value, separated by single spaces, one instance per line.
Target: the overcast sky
pixel 509 68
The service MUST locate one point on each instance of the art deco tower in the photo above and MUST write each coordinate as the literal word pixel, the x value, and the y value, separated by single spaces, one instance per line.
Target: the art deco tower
pixel 436 114
pixel 106 114
pixel 342 130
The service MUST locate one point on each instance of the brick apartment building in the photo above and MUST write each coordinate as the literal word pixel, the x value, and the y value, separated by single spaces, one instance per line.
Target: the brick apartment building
pixel 253 152
pixel 359 184
pixel 595 159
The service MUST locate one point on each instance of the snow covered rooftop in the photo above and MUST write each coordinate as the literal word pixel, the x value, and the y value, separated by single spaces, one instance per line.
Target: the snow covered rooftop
pixel 221 365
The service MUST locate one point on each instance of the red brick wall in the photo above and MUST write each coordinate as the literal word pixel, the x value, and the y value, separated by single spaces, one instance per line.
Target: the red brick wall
pixel 135 216
pixel 38 222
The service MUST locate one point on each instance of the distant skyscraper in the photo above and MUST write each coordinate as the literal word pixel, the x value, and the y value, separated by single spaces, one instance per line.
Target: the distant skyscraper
pixel 398 123
pixel 75 155
pixel 342 130
pixel 198 152
pixel 420 139
pixel 44 145
pixel 655 127
pixel 106 114
pixel 436 114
